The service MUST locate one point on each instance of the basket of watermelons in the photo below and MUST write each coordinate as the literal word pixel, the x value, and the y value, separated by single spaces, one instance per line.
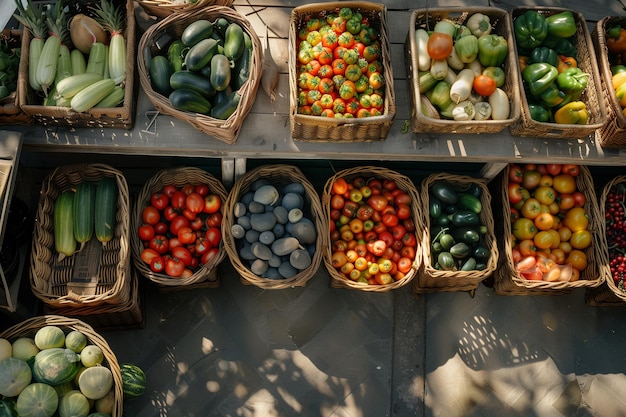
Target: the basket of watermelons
pixel 209 71
pixel 53 364
pixel 273 227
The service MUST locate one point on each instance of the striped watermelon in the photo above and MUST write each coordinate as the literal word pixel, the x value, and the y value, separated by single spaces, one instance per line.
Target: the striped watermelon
pixel 55 366
pixel 37 400
pixel 15 375
pixel 8 408
pixel 133 381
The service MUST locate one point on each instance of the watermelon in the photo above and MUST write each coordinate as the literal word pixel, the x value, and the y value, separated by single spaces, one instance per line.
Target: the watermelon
pixel 133 381
pixel 49 337
pixel 75 340
pixel 95 382
pixel 56 366
pixel 15 375
pixel 37 400
pixel 73 404
pixel 99 414
pixel 7 408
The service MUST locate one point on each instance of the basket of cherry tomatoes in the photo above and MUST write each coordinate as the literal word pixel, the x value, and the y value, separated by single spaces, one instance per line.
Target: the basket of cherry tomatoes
pixel 552 230
pixel 176 228
pixel 375 229
pixel 340 74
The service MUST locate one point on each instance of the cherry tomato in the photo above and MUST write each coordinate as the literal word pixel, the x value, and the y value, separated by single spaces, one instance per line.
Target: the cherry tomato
pixel 439 45
pixel 174 267
pixel 159 200
pixel 160 244
pixel 146 232
pixel 150 215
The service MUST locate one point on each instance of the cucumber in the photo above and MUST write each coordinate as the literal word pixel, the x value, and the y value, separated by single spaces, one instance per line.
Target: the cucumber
pixel 241 71
pixel 434 208
pixel 160 71
pixel 106 209
pixel 192 81
pixel 226 108
pixel 443 191
pixel 176 55
pixel 470 202
pixel 196 32
pixel 64 241
pixel 447 241
pixel 220 25
pixel 469 265
pixel 84 212
pixel 188 100
pixel 220 72
pixel 200 54
pixel 466 234
pixel 446 261
pixel 234 42
pixel 460 250
pixel 465 218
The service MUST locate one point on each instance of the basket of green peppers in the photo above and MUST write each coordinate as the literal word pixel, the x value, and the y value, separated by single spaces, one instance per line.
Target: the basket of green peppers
pixel 561 89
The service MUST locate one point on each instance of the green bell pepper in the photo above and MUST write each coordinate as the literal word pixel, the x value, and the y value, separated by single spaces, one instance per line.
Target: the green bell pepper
pixel 562 46
pixel 544 54
pixel 572 81
pixel 552 96
pixel 539 113
pixel 572 113
pixel 530 29
pixel 561 24
pixel 617 69
pixel 492 50
pixel 466 48
pixel 539 77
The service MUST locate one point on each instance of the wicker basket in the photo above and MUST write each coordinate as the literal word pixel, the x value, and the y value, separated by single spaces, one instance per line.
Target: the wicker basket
pixel 10 111
pixel 337 279
pixel 49 277
pixel 607 294
pixel 426 19
pixel 509 282
pixel 29 327
pixel 321 129
pixel 107 317
pixel 430 279
pixel 164 8
pixel 115 117
pixel 277 175
pixel 586 60
pixel 173 25
pixel 613 133
pixel 179 177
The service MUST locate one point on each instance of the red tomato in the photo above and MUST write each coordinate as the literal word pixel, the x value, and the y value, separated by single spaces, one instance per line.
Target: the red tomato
pixel 194 202
pixel 214 219
pixel 188 188
pixel 553 169
pixel 183 254
pixel 159 200
pixel 178 200
pixel 389 185
pixel 174 242
pixel 531 179
pixel 403 211
pixel 376 247
pixel 190 215
pixel 146 232
pixel 169 190
pixel 378 202
pixel 409 239
pixel 408 252
pixel 178 222
pixel 516 174
pixel 174 267
pixel 570 169
pixel 398 231
pixel 484 85
pixel 439 45
pixel 186 235
pixel 202 189
pixel 212 203
pixel 386 237
pixel 404 264
pixel 170 213
pixel 515 193
pixel 197 223
pixel 202 246
pixel 213 236
pixel 157 264
pixel 209 255
pixel 150 215
pixel 159 243
pixel 579 199
pixel 161 228
pixel 148 254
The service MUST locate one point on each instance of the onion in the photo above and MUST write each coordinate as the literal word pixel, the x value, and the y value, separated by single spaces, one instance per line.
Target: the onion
pixel 84 31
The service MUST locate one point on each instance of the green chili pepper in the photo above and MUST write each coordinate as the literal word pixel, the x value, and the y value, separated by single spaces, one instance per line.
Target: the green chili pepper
pixel 572 81
pixel 492 50
pixel 530 29
pixel 544 54
pixel 539 113
pixel 539 76
pixel 562 24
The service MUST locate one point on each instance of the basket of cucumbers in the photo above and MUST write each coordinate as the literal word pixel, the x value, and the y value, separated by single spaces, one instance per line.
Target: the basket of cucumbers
pixel 207 70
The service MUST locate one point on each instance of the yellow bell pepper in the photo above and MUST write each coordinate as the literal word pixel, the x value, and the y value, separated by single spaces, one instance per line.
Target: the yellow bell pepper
pixel 574 112
pixel 620 93
pixel 618 79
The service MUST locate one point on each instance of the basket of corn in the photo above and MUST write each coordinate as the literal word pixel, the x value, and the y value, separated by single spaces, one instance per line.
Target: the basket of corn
pixel 88 83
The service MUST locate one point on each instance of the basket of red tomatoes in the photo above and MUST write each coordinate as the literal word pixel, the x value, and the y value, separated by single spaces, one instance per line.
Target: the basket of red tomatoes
pixel 340 74
pixel 176 228
pixel 552 230
pixel 375 229
pixel 611 201
pixel 459 243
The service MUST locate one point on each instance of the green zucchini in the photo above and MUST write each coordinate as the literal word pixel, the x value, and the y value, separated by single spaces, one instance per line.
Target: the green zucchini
pixel 84 212
pixel 465 218
pixel 444 192
pixel 234 42
pixel 200 54
pixel 226 108
pixel 470 202
pixel 160 71
pixel 469 265
pixel 220 25
pixel 434 207
pixel 105 209
pixel 114 98
pixel 196 32
pixel 220 72
pixel 192 81
pixel 64 241
pixel 176 55
pixel 188 100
